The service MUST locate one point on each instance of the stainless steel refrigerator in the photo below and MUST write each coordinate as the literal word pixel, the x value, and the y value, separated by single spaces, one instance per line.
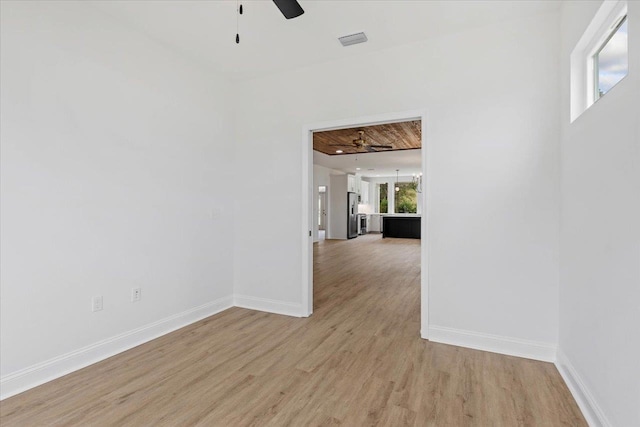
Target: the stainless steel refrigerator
pixel 352 215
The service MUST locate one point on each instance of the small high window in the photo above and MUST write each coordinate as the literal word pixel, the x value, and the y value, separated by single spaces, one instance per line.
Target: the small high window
pixel 611 60
pixel 600 59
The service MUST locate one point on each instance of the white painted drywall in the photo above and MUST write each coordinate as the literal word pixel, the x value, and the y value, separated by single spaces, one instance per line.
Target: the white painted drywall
pixel 491 95
pixel 600 234
pixel 115 157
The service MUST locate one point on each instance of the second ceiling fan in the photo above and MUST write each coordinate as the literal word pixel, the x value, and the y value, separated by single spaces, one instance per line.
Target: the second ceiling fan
pixel 362 143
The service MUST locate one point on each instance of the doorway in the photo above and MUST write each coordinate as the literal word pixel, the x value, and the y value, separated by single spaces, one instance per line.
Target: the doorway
pixel 322 212
pixel 309 202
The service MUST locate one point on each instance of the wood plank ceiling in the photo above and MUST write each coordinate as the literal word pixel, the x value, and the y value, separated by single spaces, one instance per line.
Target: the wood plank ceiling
pixel 400 136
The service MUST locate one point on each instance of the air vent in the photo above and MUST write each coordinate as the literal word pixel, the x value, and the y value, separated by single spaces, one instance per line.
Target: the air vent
pixel 353 39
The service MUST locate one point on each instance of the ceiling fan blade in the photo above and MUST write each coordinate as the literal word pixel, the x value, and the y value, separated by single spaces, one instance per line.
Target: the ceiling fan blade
pixel 340 145
pixel 381 146
pixel 289 8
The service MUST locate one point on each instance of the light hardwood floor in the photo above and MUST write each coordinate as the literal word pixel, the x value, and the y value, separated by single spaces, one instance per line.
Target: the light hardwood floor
pixel 357 361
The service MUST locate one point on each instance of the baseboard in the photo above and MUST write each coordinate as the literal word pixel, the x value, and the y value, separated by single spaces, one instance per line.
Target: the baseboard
pixel 583 397
pixel 268 305
pixel 545 352
pixel 51 369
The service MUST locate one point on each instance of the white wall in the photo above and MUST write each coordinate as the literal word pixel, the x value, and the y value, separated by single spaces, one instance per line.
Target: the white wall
pixel 114 154
pixel 491 96
pixel 600 236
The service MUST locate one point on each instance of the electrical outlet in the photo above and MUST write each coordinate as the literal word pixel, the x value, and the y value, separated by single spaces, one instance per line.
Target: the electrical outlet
pixel 96 303
pixel 136 294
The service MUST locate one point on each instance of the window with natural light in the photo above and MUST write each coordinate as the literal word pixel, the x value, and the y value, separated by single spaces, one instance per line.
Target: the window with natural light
pixel 406 197
pixel 611 60
pixel 600 59
pixel 384 198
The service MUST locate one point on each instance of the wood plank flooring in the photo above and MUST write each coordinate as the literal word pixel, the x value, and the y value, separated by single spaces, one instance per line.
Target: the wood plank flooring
pixel 357 361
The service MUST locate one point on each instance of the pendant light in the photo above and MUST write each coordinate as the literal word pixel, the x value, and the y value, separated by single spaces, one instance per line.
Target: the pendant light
pixel 397 186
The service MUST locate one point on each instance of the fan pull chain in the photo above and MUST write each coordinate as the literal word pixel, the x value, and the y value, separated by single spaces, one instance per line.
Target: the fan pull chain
pixel 239 9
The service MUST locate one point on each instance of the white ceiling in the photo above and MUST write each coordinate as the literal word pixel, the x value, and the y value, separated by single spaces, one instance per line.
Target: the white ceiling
pixel 204 30
pixel 384 164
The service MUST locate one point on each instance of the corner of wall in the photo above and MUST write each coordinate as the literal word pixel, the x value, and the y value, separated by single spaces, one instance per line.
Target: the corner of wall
pixel 268 305
pixel 545 352
pixel 584 398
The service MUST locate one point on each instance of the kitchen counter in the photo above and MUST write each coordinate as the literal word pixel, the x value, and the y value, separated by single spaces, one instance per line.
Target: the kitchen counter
pixel 396 214
pixel 376 219
pixel 405 226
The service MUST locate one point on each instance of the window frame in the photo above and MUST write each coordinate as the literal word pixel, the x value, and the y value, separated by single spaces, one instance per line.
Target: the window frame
pixel 583 81
pixel 619 22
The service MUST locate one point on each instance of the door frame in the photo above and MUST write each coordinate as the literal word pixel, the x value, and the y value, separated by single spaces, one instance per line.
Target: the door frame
pixel 308 200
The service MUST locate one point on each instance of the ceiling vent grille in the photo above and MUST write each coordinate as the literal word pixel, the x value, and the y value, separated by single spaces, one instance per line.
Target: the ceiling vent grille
pixel 353 39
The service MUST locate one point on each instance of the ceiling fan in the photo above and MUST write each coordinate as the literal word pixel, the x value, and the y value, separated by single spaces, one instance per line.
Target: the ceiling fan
pixel 289 8
pixel 361 143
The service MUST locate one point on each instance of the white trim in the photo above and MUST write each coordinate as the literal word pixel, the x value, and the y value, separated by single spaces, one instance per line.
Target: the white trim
pixel 46 371
pixel 425 242
pixel 545 352
pixel 307 221
pixel 307 198
pixel 584 398
pixel 268 305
